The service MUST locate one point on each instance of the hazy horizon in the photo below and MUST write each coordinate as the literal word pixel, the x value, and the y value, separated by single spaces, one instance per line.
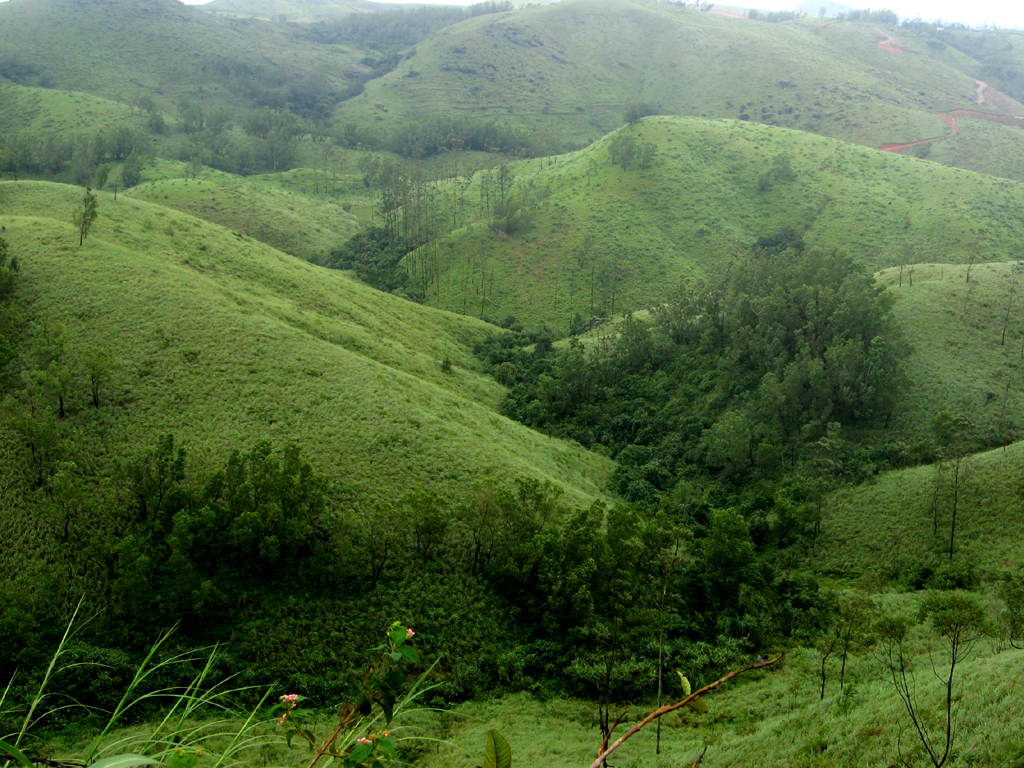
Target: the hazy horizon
pixel 982 12
pixel 993 12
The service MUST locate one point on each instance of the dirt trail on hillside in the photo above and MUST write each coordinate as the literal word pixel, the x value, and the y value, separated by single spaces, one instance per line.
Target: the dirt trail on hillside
pixel 979 92
pixel 904 146
pixel 888 43
pixel 982 94
pixel 949 118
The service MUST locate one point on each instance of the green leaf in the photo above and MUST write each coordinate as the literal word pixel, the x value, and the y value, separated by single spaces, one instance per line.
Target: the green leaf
pixel 360 752
pixel 409 653
pixel 498 753
pixel 387 746
pixel 124 761
pixel 685 682
pixel 364 705
pixel 395 679
pixel 396 635
pixel 699 705
pixel 18 756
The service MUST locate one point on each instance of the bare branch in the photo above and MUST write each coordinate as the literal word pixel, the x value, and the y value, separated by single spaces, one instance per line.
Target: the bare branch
pixel 677 705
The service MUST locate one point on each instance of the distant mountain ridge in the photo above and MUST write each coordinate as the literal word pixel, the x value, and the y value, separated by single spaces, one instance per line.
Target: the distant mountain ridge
pixel 566 70
pixel 295 10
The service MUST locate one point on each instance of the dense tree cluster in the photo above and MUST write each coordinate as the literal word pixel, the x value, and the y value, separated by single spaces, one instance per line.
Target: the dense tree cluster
pixel 522 589
pixel 375 257
pixel 738 378
pixel 877 16
pixel 15 69
pixel 75 157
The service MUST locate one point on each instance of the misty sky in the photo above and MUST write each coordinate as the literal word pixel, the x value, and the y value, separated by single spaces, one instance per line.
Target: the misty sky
pixel 1005 13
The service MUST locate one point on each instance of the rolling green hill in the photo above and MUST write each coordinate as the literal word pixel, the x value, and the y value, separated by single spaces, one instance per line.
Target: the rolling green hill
pixel 607 239
pixel 302 225
pixel 567 70
pixel 41 111
pixel 120 50
pixel 885 530
pixel 223 341
pixel 962 362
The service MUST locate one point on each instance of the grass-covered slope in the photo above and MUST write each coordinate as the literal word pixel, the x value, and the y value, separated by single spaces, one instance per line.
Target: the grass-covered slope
pixel 120 49
pixel 568 68
pixel 223 341
pixel 885 528
pixel 962 361
pixel 302 225
pixel 36 111
pixel 770 718
pixel 960 364
pixel 604 238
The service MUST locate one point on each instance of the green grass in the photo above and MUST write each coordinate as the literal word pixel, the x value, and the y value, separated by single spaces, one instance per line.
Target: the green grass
pixel 35 111
pixel 306 226
pixel 960 361
pixel 882 528
pixel 772 718
pixel 699 205
pixel 300 11
pixel 223 340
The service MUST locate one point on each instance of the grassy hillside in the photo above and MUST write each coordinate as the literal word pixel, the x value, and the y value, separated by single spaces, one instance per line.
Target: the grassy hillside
pixel 567 69
pixel 223 340
pixel 120 50
pixel 962 362
pixel 622 238
pixel 302 225
pixel 885 529
pixel 776 718
pixel 43 111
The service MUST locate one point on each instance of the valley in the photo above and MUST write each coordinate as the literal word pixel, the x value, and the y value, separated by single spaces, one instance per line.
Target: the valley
pixel 584 353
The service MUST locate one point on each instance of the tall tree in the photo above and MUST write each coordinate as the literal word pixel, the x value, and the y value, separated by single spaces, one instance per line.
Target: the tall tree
pixel 85 215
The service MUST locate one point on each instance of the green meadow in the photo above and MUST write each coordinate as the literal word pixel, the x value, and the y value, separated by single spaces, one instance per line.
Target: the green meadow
pixel 771 718
pixel 40 110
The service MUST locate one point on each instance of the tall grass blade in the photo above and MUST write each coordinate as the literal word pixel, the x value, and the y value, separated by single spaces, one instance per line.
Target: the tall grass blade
pixel 41 692
pixel 140 674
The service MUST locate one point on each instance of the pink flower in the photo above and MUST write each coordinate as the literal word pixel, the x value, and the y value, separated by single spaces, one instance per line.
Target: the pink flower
pixel 291 699
pixel 364 741
pixel 409 633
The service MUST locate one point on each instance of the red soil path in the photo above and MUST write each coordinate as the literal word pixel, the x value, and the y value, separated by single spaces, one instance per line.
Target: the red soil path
pixel 949 119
